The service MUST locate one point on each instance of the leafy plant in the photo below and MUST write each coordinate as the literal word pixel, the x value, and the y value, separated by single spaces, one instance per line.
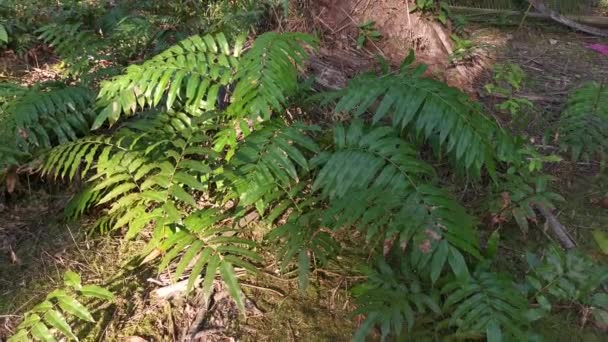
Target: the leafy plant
pixel 41 117
pixel 391 299
pixel 47 320
pixel 440 9
pixel 426 108
pixel 3 34
pixel 464 50
pixel 521 188
pixel 367 32
pixel 487 303
pixel 582 128
pixel 188 142
pixel 560 276
pixel 507 81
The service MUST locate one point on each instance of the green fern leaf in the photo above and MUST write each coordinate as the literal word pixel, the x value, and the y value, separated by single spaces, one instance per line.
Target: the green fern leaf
pixel 268 74
pixel 443 115
pixel 57 320
pixel 194 70
pixel 583 126
pixel 374 180
pixel 486 302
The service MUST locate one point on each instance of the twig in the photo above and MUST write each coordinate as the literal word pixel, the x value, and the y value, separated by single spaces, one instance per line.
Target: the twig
pixel 263 289
pixel 557 227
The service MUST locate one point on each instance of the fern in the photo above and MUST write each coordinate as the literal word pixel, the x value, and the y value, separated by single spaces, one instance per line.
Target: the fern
pixel 76 45
pixel 210 246
pixel 487 303
pixel 195 70
pixel 563 276
pixel 270 161
pixel 52 312
pixel 427 108
pixel 137 169
pixel 392 298
pixel 147 173
pixel 41 117
pixel 57 115
pixel 267 75
pixel 374 181
pixel 302 239
pixel 583 126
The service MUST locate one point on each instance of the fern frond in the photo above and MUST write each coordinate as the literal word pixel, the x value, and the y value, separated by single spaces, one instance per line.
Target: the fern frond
pixel 194 70
pixel 303 239
pixel 57 115
pixel 487 303
pixel 48 319
pixel 270 162
pixel 427 108
pixel 139 173
pixel 391 299
pixel 374 180
pixel 40 117
pixel 268 74
pixel 77 46
pixel 209 247
pixel 564 276
pixel 583 126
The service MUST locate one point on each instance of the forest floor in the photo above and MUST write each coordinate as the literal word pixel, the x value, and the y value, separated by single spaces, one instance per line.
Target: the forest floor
pixel 37 244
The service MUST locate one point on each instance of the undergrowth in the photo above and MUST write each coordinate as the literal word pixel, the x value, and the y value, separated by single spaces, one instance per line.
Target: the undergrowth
pixel 176 148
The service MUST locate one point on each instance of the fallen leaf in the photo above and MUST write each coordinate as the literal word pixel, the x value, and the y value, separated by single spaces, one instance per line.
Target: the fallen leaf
pixel 11 181
pixel 153 255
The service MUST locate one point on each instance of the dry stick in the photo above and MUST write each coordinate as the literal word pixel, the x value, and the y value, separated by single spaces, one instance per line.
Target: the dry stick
pixel 595 21
pixel 523 19
pixel 541 7
pixel 557 227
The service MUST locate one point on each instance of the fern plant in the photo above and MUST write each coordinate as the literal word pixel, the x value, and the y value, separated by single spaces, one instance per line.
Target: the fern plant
pixel 563 277
pixel 78 46
pixel 426 108
pixel 149 172
pixel 47 320
pixel 389 183
pixel 522 187
pixel 583 127
pixel 41 117
pixel 197 67
pixel 487 303
pixel 200 142
pixel 391 299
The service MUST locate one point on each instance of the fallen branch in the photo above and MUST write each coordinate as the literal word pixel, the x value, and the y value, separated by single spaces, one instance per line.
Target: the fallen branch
pixel 557 227
pixel 541 7
pixel 595 21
